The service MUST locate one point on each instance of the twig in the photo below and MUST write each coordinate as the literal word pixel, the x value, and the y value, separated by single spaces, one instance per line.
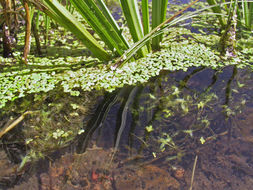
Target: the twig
pixel 193 171
pixel 27 31
pixel 14 123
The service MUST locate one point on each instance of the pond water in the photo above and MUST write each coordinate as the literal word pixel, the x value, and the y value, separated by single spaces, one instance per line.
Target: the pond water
pixel 180 131
pixel 150 136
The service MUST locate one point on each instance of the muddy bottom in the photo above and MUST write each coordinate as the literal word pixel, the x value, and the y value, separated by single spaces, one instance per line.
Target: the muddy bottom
pixel 223 164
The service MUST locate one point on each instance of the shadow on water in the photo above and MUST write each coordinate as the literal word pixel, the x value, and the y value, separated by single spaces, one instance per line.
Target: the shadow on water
pixel 180 115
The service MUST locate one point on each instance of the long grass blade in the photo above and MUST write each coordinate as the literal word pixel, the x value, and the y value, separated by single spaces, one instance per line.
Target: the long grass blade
pixel 247 13
pixel 245 10
pixel 132 15
pixel 112 21
pixel 156 31
pixel 94 16
pixel 59 13
pixel 159 8
pixel 217 9
pixel 251 14
pixel 145 19
pixel 47 27
pixel 145 16
pixel 156 18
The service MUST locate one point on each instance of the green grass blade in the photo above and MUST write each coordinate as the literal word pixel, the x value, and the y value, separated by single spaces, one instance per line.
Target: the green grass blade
pixel 217 9
pixel 245 12
pixel 145 16
pixel 155 32
pixel 145 19
pixel 96 19
pixel 251 14
pixel 156 17
pixel 164 10
pixel 132 15
pixel 60 14
pixel 47 26
pixel 159 8
pixel 112 21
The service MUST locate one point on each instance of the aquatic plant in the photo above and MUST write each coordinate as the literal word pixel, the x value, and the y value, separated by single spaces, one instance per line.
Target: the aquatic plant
pixel 9 25
pixel 19 15
pixel 182 112
pixel 71 74
pixel 244 10
pixel 97 15
pixel 54 121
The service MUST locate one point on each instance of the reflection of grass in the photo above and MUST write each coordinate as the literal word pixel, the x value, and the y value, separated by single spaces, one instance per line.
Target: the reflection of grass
pixel 185 117
pixel 56 124
pixel 180 116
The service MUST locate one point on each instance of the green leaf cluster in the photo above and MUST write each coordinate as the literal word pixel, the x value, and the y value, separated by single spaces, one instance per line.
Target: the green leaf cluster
pixel 44 74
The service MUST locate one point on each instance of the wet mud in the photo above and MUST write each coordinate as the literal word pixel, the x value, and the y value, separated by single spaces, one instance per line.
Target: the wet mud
pixel 226 164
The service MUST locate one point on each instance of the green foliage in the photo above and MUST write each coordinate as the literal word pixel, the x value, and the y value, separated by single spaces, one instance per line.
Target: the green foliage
pixel 63 17
pixel 108 30
pixel 157 31
pixel 247 14
pixel 132 15
pixel 44 74
pixel 58 120
pixel 96 14
pixel 244 11
pixel 159 10
pixel 216 8
pixel 145 16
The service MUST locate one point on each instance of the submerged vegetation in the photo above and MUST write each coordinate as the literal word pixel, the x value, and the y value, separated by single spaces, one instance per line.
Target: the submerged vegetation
pixel 58 86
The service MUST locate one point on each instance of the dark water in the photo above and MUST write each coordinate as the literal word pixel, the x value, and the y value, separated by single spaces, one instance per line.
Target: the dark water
pixel 183 109
pixel 157 131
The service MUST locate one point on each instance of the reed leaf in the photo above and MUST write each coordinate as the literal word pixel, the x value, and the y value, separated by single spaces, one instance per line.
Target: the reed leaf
pixel 132 15
pixel 251 13
pixel 47 26
pixel 145 16
pixel 62 16
pixel 155 32
pixel 112 21
pixel 247 13
pixel 145 19
pixel 96 19
pixel 159 8
pixel 216 8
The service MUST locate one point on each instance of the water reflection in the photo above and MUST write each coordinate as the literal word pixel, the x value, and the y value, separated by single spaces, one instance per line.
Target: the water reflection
pixel 180 115
pixel 147 137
